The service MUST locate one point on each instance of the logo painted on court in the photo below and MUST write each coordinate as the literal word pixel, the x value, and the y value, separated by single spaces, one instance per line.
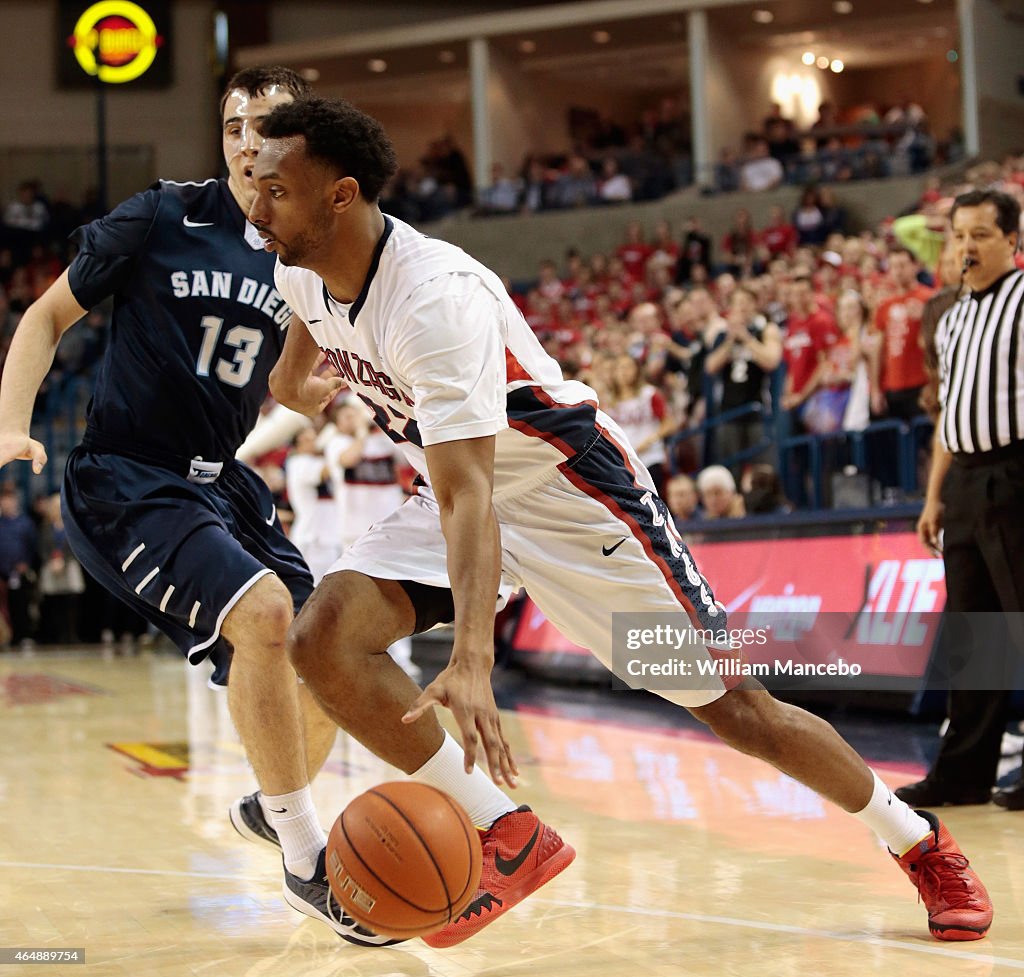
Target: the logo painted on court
pixel 157 759
pixel 116 41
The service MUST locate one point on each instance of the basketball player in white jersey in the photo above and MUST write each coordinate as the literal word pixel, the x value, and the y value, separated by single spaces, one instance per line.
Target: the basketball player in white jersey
pixel 531 485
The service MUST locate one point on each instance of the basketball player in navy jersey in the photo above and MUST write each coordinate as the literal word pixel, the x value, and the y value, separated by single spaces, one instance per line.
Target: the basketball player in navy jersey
pixel 155 506
pixel 529 484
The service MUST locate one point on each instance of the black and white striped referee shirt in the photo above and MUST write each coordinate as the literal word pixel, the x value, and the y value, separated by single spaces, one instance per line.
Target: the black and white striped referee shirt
pixel 980 346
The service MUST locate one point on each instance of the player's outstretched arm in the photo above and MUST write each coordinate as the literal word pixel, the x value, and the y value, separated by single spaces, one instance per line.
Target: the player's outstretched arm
pixel 462 477
pixel 28 361
pixel 272 431
pixel 293 382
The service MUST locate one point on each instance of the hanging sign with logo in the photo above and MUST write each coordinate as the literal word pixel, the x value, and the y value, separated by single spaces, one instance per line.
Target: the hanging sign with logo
pixel 115 42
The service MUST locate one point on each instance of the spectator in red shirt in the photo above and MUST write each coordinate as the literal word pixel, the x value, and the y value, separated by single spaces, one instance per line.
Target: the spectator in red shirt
pixel 901 375
pixel 618 272
pixel 548 283
pixel 779 237
pixel 809 332
pixel 826 282
pixel 618 295
pixel 538 312
pixel 633 252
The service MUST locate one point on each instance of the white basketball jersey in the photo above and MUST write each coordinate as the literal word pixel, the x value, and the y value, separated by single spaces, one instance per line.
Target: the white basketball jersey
pixel 437 349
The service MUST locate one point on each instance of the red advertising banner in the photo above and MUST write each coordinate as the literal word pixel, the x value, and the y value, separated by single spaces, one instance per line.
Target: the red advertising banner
pixel 871 599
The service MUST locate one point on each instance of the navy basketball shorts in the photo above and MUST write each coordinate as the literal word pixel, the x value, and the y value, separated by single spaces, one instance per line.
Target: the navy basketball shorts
pixel 180 554
pixel 587 539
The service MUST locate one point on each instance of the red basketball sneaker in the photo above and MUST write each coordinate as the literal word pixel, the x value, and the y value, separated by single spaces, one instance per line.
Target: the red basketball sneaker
pixel 958 905
pixel 520 855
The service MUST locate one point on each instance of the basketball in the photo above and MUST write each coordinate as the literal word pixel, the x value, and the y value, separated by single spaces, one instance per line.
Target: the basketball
pixel 404 859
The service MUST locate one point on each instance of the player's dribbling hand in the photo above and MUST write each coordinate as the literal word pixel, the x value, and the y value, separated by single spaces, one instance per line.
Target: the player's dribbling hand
pixel 466 691
pixel 20 447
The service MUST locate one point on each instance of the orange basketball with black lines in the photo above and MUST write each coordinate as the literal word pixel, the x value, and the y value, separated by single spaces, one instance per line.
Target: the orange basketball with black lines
pixel 404 859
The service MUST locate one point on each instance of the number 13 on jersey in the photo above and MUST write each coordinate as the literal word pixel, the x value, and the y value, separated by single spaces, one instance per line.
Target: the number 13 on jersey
pixel 236 372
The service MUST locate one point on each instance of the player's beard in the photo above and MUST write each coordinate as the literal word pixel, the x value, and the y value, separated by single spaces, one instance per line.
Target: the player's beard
pixel 304 245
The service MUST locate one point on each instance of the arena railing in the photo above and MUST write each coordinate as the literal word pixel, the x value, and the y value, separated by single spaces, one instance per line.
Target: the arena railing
pixel 888 451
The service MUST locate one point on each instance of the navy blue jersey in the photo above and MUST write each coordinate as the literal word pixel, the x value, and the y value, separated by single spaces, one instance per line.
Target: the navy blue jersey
pixel 197 322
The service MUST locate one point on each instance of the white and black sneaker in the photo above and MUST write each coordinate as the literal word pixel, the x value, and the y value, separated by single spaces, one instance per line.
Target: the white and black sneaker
pixel 247 818
pixel 315 899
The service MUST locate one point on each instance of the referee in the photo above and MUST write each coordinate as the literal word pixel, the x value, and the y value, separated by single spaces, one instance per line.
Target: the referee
pixel 975 496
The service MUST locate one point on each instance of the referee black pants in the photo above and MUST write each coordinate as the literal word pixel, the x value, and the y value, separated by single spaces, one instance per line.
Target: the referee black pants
pixel 983 553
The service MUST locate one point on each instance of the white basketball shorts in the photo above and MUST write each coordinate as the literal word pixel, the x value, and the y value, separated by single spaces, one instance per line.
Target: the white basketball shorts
pixel 590 538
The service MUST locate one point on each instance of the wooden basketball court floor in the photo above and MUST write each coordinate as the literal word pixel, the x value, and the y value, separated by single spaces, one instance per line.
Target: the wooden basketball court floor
pixel 116 777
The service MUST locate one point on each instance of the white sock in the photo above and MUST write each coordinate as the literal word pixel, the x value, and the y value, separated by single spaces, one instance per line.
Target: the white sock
pixel 481 798
pixel 294 819
pixel 898 825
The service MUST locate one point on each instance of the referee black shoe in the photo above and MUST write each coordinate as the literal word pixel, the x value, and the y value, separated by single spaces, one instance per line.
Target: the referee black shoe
pixel 315 899
pixel 939 793
pixel 1012 798
pixel 247 818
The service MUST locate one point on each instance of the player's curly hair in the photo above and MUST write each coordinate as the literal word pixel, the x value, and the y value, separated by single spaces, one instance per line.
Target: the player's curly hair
pixel 257 79
pixel 337 133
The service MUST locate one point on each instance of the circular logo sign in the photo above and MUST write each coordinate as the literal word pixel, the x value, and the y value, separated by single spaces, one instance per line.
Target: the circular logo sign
pixel 115 40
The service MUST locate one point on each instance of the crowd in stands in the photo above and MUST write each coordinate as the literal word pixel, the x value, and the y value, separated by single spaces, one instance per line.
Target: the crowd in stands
pixel 858 143
pixel 34 250
pixel 608 162
pixel 45 596
pixel 611 163
pixel 439 184
pixel 713 348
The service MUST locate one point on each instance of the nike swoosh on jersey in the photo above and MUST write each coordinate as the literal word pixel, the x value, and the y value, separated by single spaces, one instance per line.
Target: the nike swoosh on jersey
pixel 273 516
pixel 511 866
pixel 189 223
pixel 608 550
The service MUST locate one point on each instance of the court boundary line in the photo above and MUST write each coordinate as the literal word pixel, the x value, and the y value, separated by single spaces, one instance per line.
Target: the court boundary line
pixel 879 941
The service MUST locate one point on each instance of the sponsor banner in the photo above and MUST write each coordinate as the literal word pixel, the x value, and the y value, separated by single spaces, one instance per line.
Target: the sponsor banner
pixel 867 601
